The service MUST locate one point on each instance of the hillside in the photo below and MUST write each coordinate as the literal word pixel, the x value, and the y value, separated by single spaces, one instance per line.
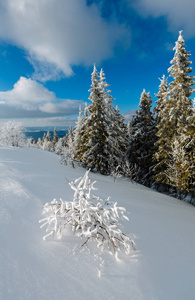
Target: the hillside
pixel 162 267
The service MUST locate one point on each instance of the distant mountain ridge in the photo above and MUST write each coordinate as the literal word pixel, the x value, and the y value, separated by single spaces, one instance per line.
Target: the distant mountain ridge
pixel 38 132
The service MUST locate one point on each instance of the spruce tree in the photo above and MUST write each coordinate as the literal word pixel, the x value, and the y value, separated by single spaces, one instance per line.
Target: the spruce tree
pixel 178 168
pixel 141 148
pixel 78 136
pixel 183 161
pixel 162 144
pixel 96 152
pixel 180 106
pixel 48 136
pixel 188 141
pixel 55 137
pixel 180 90
pixel 117 129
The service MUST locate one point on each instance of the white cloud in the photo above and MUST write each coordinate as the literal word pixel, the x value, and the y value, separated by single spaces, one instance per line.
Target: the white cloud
pixel 59 34
pixel 26 94
pixel 56 108
pixel 64 122
pixel 180 14
pixel 28 98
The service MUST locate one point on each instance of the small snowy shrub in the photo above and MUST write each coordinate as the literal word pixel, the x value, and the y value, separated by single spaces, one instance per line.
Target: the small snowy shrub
pixel 88 216
pixel 67 157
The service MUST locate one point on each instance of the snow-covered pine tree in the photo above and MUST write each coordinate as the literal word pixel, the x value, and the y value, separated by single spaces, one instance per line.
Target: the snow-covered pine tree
pixel 68 151
pixel 141 147
pixel 47 142
pixel 181 166
pixel 39 143
pixel 78 136
pixel 55 137
pixel 180 89
pixel 96 151
pixel 188 142
pixel 118 133
pixel 59 146
pixel 44 137
pixel 162 99
pixel 179 103
pixel 178 169
pixel 162 144
pixel 48 136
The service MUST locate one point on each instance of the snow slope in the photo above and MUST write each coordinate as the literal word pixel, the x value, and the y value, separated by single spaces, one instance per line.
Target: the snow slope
pixel 162 267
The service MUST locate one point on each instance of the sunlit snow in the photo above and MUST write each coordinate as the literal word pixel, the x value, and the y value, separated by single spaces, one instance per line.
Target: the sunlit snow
pixel 161 268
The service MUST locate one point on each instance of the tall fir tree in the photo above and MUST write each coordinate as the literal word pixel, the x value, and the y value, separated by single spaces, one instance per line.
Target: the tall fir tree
pixel 180 112
pixel 78 136
pixel 188 142
pixel 142 139
pixel 178 168
pixel 185 166
pixel 163 147
pixel 55 137
pixel 96 153
pixel 180 90
pixel 117 129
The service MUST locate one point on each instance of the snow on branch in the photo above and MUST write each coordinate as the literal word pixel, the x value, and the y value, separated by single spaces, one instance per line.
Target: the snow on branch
pixel 11 134
pixel 89 217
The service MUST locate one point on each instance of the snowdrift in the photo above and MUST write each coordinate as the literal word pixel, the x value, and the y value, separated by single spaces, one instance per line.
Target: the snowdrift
pixel 162 267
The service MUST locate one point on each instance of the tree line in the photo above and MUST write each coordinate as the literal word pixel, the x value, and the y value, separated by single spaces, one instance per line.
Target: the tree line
pixel 156 148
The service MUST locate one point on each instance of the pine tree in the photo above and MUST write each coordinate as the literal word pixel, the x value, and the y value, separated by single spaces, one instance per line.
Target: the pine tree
pixel 59 146
pixel 68 151
pixel 180 109
pixel 96 150
pixel 118 133
pixel 180 89
pixel 188 141
pixel 163 146
pixel 178 168
pixel 48 136
pixel 44 137
pixel 55 137
pixel 182 161
pixel 141 148
pixel 78 136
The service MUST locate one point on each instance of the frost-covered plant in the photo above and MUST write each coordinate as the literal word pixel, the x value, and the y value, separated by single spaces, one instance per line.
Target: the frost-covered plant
pixel 59 146
pixel 68 151
pixel 11 134
pixel 88 216
pixel 67 157
pixel 117 172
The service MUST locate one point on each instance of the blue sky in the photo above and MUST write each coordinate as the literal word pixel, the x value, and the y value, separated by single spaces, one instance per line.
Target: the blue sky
pixel 48 48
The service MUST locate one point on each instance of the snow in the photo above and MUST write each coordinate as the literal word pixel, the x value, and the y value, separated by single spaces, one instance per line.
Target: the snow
pixel 162 267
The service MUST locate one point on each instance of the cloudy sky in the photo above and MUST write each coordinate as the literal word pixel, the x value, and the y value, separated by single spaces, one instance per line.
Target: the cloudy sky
pixel 48 48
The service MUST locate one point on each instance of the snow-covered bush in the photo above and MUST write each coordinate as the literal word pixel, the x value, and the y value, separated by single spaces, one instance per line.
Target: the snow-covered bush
pixel 47 145
pixel 68 151
pixel 11 134
pixel 59 146
pixel 88 216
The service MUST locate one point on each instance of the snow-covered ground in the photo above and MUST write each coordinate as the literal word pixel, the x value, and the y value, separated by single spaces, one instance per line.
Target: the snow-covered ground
pixel 162 267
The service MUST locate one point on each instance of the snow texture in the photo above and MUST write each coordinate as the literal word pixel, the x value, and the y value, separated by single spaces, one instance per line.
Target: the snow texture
pixel 162 267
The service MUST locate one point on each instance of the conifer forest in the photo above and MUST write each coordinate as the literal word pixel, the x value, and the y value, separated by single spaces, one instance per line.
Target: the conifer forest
pixel 156 148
